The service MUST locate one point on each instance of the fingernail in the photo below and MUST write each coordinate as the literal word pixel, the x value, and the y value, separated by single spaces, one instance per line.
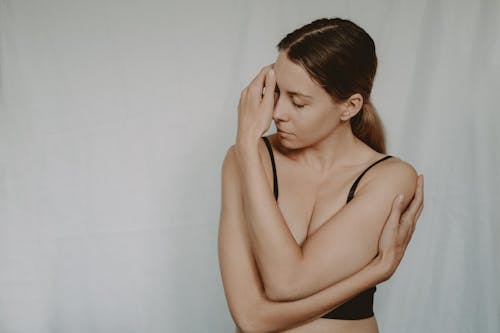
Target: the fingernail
pixel 271 72
pixel 401 198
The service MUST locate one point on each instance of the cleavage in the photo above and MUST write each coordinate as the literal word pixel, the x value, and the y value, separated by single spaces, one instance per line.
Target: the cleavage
pixel 307 204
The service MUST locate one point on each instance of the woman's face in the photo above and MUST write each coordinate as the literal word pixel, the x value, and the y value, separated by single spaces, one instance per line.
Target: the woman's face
pixel 307 119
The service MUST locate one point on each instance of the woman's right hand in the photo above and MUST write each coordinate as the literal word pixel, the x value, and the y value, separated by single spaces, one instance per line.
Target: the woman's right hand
pixel 397 232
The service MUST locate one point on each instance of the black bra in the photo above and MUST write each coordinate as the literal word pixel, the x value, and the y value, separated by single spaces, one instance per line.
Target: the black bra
pixel 361 305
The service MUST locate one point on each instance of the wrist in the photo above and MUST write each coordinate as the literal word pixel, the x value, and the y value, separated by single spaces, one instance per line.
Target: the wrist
pixel 247 140
pixel 380 268
pixel 246 146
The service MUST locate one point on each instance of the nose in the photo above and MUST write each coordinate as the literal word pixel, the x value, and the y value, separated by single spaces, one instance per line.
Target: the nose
pixel 280 113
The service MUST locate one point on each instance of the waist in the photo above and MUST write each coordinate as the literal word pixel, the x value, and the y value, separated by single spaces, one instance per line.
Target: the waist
pixel 358 307
pixel 368 325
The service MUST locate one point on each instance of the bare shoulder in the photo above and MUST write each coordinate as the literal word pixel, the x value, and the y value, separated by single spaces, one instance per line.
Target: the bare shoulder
pixel 392 175
pixel 398 169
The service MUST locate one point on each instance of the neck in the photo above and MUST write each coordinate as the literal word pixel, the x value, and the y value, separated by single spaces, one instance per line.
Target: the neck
pixel 339 149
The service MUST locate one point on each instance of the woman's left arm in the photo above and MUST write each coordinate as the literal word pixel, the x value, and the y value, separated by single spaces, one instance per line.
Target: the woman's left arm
pixel 340 247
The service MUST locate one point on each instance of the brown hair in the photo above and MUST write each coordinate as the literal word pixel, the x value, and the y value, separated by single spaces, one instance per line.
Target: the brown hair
pixel 340 56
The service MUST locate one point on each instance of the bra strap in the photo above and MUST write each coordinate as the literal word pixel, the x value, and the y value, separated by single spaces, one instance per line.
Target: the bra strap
pixel 353 188
pixel 275 176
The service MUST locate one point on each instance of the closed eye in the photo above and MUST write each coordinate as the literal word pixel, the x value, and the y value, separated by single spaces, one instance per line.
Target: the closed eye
pixel 277 91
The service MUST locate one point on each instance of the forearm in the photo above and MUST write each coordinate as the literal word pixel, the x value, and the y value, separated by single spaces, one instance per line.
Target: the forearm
pixel 277 254
pixel 277 316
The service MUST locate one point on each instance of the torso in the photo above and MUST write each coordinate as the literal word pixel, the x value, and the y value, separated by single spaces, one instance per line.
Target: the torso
pixel 306 202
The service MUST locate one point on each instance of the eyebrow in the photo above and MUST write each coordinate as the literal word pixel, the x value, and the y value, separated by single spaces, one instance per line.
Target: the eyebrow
pixel 293 93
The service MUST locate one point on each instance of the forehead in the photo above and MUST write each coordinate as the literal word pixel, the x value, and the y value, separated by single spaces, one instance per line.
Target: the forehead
pixel 293 77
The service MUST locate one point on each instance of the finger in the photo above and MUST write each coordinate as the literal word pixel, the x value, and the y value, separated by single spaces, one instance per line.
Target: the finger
pixel 413 225
pixel 259 76
pixel 257 83
pixel 419 211
pixel 422 189
pixel 408 239
pixel 396 209
pixel 404 223
pixel 268 99
pixel 421 193
pixel 243 97
pixel 420 208
pixel 411 211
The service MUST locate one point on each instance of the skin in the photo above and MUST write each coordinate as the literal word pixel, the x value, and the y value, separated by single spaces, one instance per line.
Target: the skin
pixel 321 157
pixel 253 311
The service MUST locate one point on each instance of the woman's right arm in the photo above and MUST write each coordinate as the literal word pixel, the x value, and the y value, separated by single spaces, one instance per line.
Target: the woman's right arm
pixel 248 305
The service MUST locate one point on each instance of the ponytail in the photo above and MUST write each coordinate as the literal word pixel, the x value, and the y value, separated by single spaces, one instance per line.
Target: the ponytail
pixel 367 126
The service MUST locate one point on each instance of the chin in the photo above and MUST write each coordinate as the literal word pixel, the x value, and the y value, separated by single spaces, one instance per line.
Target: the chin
pixel 286 141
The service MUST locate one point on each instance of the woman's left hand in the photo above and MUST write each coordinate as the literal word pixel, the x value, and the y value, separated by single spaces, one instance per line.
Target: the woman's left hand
pixel 255 108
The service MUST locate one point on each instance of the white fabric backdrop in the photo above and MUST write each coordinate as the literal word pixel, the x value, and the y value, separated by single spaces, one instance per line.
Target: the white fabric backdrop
pixel 115 117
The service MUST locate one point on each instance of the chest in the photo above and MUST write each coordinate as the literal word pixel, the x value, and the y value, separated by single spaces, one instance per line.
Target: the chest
pixel 307 202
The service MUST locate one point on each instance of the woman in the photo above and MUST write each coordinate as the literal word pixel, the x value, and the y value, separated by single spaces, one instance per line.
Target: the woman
pixel 310 262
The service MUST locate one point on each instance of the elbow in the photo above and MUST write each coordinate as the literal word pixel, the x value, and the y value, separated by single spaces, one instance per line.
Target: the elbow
pixel 251 322
pixel 251 317
pixel 250 328
pixel 259 317
pixel 243 325
pixel 244 321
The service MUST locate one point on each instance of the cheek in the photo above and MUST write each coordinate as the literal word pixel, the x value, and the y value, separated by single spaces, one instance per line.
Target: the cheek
pixel 320 123
pixel 319 118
